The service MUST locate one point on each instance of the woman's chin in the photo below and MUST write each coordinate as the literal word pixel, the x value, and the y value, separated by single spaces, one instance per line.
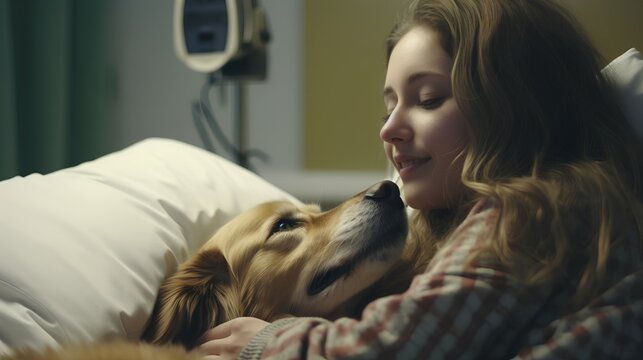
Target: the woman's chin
pixel 418 197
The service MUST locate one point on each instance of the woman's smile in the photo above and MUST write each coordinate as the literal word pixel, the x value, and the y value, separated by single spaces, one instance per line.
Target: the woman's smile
pixel 407 165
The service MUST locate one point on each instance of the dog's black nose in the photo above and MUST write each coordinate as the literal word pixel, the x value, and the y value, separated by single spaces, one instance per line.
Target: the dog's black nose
pixel 382 191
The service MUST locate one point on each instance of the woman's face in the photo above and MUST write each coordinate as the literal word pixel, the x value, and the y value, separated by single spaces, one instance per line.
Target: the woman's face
pixel 424 133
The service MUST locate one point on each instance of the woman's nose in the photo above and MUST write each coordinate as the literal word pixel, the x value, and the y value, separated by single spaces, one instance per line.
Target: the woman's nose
pixel 396 128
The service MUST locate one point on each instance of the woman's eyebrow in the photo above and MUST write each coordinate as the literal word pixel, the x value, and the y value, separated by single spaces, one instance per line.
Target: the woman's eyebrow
pixel 414 78
pixel 424 74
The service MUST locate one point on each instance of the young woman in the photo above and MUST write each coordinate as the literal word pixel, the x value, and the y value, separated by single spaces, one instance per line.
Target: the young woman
pixel 526 177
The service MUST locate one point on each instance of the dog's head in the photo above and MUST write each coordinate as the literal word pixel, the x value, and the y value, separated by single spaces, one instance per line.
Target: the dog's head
pixel 280 258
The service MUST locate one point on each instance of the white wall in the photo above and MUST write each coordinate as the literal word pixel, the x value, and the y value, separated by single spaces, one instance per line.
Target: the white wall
pixel 154 90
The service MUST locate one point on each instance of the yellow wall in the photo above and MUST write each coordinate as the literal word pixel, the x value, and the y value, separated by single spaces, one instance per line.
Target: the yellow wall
pixel 344 57
pixel 613 25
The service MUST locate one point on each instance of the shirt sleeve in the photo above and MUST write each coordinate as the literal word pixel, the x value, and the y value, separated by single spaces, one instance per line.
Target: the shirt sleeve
pixel 453 310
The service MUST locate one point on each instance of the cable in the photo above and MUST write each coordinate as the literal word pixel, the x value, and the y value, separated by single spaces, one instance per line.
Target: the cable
pixel 202 112
pixel 200 129
pixel 210 120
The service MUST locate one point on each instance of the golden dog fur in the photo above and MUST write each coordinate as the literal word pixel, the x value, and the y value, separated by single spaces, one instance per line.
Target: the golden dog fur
pixel 278 259
pixel 117 350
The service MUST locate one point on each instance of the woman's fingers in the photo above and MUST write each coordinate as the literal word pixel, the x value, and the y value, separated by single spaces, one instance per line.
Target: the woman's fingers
pixel 226 341
pixel 218 332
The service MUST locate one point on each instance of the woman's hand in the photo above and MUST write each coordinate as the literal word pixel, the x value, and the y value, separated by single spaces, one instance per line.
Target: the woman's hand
pixel 228 339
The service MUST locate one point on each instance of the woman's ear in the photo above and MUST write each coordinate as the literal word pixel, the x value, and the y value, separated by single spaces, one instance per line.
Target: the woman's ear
pixel 201 294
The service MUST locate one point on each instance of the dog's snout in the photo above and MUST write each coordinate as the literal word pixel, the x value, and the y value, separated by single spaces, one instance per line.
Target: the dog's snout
pixel 382 191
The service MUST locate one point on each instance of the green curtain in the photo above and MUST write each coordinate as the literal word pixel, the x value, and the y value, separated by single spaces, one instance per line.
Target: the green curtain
pixel 55 87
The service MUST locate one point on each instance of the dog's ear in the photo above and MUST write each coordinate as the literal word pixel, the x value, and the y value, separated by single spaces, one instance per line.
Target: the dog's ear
pixel 201 294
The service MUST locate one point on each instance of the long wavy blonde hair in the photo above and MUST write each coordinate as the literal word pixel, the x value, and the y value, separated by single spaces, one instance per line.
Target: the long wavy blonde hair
pixel 549 145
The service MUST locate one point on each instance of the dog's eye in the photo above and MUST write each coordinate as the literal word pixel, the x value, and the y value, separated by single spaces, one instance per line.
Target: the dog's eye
pixel 284 225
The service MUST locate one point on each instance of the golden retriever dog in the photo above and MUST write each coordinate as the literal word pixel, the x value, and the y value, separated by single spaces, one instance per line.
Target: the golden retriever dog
pixel 275 260
pixel 280 259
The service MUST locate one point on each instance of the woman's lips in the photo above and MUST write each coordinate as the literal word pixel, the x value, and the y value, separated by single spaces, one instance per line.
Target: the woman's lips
pixel 407 166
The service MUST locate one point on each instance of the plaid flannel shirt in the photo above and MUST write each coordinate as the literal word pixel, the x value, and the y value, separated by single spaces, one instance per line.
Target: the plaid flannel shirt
pixel 464 311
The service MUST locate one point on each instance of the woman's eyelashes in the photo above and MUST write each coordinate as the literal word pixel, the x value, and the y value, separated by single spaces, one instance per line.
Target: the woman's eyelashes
pixel 432 103
pixel 428 104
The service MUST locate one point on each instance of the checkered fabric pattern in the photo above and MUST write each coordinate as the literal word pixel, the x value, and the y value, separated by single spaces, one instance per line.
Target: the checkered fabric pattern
pixel 456 310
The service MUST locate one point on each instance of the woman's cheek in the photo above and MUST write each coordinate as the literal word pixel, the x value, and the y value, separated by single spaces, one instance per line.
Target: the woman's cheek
pixel 388 150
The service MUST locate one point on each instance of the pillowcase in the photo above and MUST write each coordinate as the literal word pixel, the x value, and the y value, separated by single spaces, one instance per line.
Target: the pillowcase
pixel 626 73
pixel 85 249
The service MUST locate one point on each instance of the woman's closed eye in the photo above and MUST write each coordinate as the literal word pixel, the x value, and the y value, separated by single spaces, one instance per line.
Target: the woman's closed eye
pixel 432 103
pixel 428 104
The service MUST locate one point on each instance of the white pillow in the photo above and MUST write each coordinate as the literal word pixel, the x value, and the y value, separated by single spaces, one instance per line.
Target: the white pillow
pixel 84 249
pixel 626 72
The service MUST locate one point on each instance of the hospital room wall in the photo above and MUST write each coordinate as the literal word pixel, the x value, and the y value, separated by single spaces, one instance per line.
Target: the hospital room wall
pixel 319 110
pixel 614 26
pixel 155 90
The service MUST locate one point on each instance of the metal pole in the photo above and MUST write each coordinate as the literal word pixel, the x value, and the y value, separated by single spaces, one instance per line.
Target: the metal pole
pixel 239 122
